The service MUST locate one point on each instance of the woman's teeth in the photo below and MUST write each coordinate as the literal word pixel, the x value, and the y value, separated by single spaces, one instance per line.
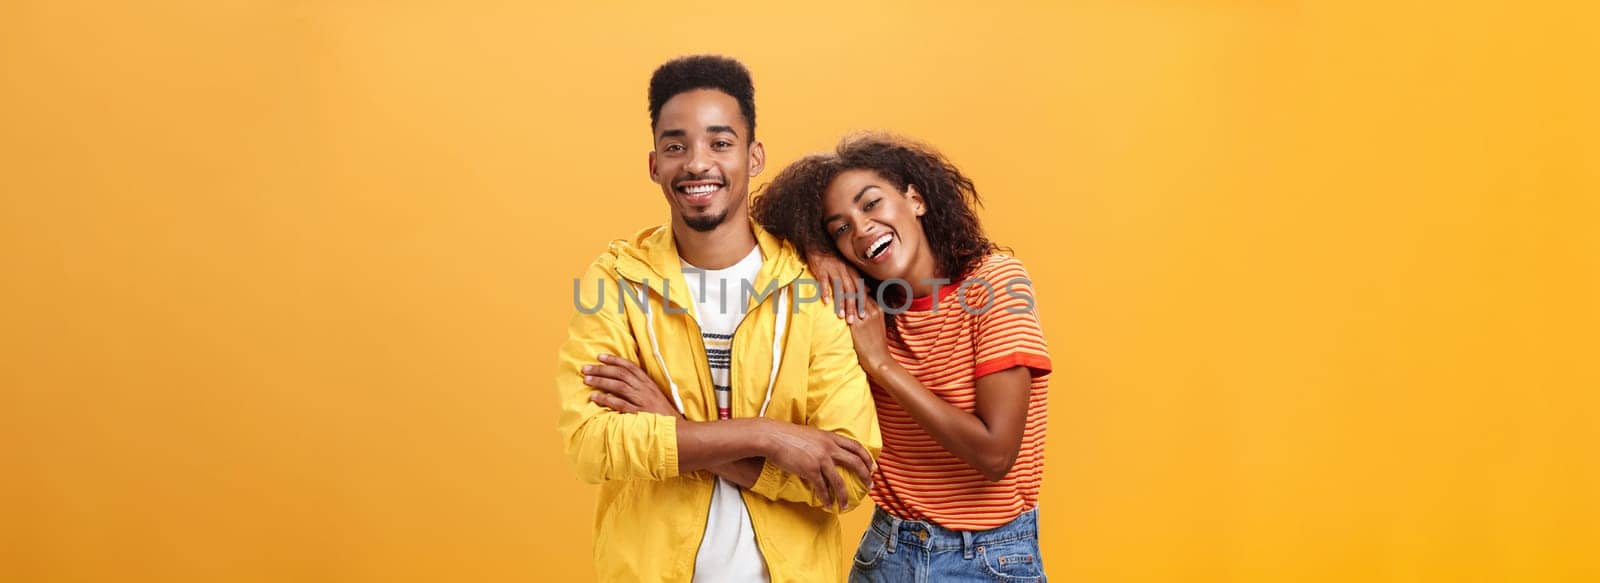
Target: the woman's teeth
pixel 879 246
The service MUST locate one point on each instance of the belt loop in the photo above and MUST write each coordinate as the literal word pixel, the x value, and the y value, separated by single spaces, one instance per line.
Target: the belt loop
pixel 894 531
pixel 966 544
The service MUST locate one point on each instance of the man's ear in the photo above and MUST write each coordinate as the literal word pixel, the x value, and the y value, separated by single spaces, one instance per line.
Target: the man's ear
pixel 653 166
pixel 758 158
pixel 919 206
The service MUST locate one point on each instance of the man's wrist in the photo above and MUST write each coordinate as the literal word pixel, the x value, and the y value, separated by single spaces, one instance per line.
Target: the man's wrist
pixel 760 437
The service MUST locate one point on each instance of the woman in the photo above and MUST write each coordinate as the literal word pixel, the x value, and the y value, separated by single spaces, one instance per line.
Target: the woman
pixel 959 370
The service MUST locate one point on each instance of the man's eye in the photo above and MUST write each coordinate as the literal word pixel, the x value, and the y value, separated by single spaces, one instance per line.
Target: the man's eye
pixel 721 145
pixel 674 148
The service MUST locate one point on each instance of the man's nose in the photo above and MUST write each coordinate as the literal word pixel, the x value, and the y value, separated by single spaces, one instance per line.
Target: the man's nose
pixel 699 161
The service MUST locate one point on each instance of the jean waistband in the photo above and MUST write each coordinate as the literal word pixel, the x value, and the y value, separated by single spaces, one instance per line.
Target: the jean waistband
pixel 934 537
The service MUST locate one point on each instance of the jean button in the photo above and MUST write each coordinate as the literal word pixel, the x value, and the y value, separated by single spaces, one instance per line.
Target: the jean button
pixel 922 535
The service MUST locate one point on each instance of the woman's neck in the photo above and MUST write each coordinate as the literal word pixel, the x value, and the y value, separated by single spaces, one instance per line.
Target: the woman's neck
pixel 924 276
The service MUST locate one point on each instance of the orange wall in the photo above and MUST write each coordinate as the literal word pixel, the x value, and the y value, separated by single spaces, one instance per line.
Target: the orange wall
pixel 283 281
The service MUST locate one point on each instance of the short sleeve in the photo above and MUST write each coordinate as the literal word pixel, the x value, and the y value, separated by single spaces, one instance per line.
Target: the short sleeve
pixel 1008 334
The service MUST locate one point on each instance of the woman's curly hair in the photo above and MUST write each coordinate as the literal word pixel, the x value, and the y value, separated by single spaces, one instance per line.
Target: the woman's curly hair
pixel 791 206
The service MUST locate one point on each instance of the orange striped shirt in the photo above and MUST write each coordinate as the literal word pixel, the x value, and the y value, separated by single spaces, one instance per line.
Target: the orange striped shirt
pixel 948 346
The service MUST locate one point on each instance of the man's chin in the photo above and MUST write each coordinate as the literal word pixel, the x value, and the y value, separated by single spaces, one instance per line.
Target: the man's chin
pixel 705 222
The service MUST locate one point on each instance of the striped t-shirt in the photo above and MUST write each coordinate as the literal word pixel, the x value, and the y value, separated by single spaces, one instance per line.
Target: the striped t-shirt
pixel 947 345
pixel 728 550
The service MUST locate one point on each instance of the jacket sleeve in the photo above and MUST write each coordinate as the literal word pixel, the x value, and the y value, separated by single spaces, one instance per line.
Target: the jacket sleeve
pixel 600 443
pixel 839 401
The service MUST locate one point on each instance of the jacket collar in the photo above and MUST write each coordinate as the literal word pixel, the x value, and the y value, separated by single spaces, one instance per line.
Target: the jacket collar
pixel 652 258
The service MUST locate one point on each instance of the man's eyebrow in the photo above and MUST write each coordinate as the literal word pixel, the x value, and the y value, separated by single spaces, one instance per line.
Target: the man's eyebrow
pixel 721 129
pixel 672 134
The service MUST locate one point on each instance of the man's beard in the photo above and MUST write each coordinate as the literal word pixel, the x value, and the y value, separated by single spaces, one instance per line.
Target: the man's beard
pixel 705 223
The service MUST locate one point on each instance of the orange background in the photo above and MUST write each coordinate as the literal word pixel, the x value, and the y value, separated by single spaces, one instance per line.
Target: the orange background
pixel 283 281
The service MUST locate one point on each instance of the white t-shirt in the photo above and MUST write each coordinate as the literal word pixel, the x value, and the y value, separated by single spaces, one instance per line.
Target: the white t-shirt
pixel 728 552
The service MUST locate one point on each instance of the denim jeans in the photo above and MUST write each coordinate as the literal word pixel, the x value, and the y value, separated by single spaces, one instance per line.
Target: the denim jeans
pixel 894 550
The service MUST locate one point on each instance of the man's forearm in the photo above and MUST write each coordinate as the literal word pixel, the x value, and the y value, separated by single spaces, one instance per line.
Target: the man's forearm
pixel 714 444
pixel 744 472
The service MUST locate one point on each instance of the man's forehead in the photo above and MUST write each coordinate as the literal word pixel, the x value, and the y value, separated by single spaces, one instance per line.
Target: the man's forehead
pixel 701 110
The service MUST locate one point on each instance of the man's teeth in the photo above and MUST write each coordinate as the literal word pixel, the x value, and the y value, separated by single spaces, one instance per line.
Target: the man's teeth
pixel 700 188
pixel 878 246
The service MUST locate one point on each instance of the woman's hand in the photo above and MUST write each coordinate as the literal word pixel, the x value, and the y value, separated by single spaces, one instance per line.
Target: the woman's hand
pixel 837 278
pixel 624 387
pixel 868 334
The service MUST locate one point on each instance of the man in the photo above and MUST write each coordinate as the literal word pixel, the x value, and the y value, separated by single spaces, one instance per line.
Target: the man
pixel 725 417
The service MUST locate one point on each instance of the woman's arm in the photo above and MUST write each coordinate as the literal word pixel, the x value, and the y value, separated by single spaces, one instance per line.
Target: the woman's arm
pixel 988 438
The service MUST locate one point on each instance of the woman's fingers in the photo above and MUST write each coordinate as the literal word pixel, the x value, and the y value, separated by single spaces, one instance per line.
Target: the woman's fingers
pixel 844 291
pixel 853 301
pixel 822 269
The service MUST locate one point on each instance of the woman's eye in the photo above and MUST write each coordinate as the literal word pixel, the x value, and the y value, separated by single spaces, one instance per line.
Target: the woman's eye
pixel 839 230
pixel 873 203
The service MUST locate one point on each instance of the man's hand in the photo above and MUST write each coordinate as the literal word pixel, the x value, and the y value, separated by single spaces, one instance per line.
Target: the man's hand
pixel 810 453
pixel 814 454
pixel 624 387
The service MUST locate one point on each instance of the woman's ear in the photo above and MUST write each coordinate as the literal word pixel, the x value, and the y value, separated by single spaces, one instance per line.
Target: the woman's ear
pixel 919 207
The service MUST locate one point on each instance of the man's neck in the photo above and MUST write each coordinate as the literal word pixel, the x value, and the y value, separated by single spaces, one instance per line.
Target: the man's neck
pixel 718 248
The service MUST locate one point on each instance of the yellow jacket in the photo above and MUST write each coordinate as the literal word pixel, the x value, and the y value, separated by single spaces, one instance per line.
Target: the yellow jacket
pixel 649 519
